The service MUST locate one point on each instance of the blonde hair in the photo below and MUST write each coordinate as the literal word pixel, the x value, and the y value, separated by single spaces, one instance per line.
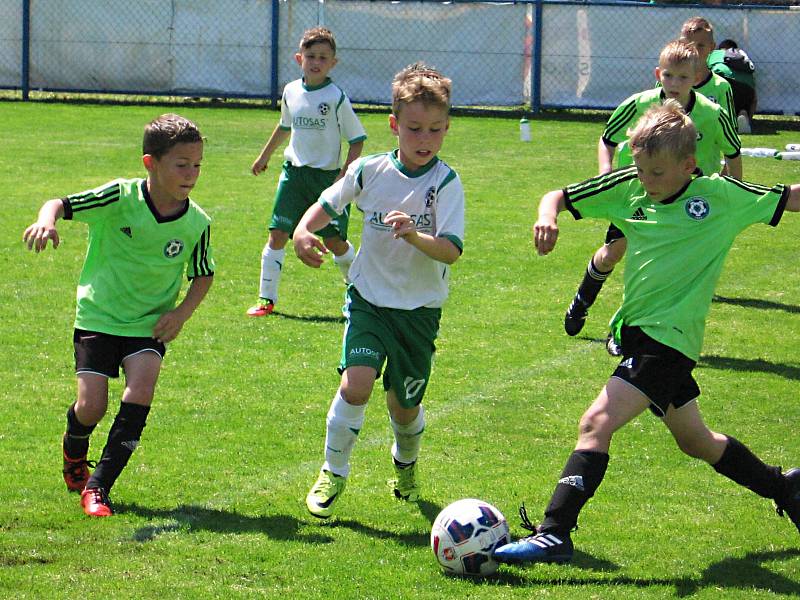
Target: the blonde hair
pixel 317 35
pixel 696 24
pixel 679 52
pixel 419 82
pixel 664 128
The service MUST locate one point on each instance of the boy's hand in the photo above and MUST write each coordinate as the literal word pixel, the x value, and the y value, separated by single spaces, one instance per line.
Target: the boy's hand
pixel 545 234
pixel 403 226
pixel 36 236
pixel 260 165
pixel 168 326
pixel 309 248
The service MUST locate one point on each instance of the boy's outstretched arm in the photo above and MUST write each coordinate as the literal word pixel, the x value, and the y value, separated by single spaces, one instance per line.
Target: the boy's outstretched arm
pixel 308 246
pixel 545 230
pixel 605 157
pixel 279 135
pixel 170 324
pixel 793 203
pixel 37 234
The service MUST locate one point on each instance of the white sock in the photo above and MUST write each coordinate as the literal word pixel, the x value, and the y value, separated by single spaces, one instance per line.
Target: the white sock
pixel 345 260
pixel 407 438
pixel 271 265
pixel 343 425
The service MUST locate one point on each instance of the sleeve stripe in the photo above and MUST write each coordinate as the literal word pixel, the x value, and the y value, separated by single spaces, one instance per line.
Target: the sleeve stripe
pixel 729 131
pixel 200 267
pixel 89 200
pixel 755 188
pixel 614 125
pixel 451 175
pixel 595 185
pixel 776 217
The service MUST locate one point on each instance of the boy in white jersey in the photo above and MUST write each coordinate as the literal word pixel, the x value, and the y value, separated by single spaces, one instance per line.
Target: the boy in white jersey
pixel 413 206
pixel 318 114
pixel 680 230
pixel 144 234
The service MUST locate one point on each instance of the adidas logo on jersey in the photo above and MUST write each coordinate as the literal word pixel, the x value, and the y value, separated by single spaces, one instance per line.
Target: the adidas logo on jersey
pixel 639 215
pixel 126 231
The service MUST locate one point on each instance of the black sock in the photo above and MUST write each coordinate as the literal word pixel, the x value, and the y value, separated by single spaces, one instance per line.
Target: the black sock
pixel 76 439
pixel 580 478
pixel 745 468
pixel 122 441
pixel 592 283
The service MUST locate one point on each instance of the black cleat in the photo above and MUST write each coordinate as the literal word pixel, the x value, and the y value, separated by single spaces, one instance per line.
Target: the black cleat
pixel 612 347
pixel 790 505
pixel 576 315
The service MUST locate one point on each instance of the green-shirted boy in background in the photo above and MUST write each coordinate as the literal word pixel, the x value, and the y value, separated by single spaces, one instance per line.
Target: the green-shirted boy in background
pixel 143 235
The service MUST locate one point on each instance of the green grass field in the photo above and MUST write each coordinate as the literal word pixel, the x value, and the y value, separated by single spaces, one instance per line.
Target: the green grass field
pixel 211 504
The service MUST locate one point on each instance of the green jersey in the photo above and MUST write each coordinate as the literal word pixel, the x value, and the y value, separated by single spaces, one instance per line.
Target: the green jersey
pixel 718 90
pixel 676 247
pixel 716 134
pixel 717 64
pixel 135 258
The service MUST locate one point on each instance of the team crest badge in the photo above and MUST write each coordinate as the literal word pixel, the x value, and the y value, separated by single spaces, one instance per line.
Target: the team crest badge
pixel 324 108
pixel 173 248
pixel 430 197
pixel 697 208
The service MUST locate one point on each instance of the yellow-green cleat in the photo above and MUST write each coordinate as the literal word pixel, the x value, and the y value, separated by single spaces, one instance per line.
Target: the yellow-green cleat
pixel 405 485
pixel 324 494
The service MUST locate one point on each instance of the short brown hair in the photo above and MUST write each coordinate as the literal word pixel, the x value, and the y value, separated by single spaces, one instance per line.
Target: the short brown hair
pixel 696 24
pixel 679 52
pixel 166 131
pixel 664 128
pixel 317 35
pixel 420 82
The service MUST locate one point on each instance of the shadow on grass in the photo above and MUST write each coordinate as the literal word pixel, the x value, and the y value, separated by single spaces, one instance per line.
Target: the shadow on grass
pixel 191 518
pixel 745 573
pixel 757 365
pixel 309 318
pixel 761 304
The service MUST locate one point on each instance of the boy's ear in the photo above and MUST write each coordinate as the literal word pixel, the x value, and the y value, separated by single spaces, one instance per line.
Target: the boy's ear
pixel 658 73
pixel 298 58
pixel 393 124
pixel 690 164
pixel 148 161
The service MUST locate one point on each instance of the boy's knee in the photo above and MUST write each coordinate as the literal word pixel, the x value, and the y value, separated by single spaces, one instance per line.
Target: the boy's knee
pixel 594 426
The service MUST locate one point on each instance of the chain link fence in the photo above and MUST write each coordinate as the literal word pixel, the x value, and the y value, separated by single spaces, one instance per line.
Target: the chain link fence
pixel 538 54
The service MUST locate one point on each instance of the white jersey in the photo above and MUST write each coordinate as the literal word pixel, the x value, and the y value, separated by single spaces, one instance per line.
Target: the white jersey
pixel 391 272
pixel 319 118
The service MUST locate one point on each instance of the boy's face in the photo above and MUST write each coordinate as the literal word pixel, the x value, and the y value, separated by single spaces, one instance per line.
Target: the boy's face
pixel 420 131
pixel 703 41
pixel 316 61
pixel 172 177
pixel 662 174
pixel 677 80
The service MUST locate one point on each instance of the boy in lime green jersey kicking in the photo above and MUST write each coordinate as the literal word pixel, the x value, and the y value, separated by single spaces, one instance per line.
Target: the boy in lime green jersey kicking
pixel 680 228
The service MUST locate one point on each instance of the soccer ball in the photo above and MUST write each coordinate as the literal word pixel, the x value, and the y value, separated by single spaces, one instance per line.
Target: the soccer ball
pixel 465 534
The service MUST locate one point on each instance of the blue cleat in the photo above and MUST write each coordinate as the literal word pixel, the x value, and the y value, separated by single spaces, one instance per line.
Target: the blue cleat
pixel 542 547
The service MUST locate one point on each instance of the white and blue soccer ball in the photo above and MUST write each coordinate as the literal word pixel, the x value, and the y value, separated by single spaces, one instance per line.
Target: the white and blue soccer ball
pixel 465 534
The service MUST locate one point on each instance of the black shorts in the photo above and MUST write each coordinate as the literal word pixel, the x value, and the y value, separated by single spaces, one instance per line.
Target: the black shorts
pixel 743 96
pixel 660 372
pixel 103 353
pixel 613 234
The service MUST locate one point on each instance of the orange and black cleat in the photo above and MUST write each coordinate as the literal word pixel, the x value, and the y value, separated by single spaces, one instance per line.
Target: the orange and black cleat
pixel 76 472
pixel 95 502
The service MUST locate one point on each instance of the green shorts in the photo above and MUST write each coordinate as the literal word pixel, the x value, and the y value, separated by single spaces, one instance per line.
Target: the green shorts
pixel 298 189
pixel 402 338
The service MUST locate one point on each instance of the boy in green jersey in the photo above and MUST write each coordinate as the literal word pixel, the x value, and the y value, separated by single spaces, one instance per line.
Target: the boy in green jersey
pixel 412 204
pixel 732 63
pixel 676 72
pixel 315 115
pixel 143 235
pixel 700 33
pixel 680 229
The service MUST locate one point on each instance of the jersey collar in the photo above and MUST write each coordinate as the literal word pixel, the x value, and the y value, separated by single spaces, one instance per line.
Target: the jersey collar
pixel 689 105
pixel 678 194
pixel 394 155
pixel 705 81
pixel 312 88
pixel 157 215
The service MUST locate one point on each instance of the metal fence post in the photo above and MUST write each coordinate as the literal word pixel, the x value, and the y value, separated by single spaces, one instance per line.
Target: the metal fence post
pixel 536 76
pixel 26 48
pixel 275 54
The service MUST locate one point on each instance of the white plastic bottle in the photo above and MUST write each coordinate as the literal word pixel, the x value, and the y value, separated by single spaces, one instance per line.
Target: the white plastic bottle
pixel 788 155
pixel 524 130
pixel 793 147
pixel 759 152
